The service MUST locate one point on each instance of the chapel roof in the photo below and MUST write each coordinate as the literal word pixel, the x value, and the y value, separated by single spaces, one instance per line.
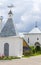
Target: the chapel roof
pixel 10 12
pixel 35 30
pixel 8 29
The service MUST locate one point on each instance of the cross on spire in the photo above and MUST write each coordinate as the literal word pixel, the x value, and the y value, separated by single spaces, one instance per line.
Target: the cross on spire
pixel 10 10
pixel 10 6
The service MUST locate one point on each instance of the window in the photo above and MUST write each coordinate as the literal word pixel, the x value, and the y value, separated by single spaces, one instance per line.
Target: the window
pixel 28 40
pixel 37 38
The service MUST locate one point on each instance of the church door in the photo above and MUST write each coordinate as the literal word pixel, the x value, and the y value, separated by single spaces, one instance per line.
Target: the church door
pixel 6 49
pixel 37 46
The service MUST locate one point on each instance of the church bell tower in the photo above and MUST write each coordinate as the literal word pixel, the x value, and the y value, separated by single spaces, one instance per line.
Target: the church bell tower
pixel 10 14
pixel 9 27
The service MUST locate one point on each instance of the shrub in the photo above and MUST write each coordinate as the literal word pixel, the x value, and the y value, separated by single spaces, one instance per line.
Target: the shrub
pixel 32 52
pixel 8 57
pixel 28 53
pixel 33 49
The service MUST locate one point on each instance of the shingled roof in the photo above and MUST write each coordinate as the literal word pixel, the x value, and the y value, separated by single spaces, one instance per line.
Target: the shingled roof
pixel 10 12
pixel 9 28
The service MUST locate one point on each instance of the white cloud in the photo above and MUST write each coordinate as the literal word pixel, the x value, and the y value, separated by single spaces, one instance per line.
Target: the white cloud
pixel 24 18
pixel 36 7
pixel 27 10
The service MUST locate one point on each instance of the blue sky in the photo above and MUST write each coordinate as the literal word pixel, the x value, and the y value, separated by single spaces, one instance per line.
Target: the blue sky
pixel 26 13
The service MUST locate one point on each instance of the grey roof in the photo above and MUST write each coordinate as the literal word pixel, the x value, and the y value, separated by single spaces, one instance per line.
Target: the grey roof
pixel 8 29
pixel 10 12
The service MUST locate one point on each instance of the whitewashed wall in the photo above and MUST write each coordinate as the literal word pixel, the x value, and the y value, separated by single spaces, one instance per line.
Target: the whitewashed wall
pixel 15 45
pixel 32 38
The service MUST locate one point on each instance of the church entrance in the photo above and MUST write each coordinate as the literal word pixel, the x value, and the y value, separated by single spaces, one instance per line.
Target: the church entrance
pixel 6 49
pixel 37 46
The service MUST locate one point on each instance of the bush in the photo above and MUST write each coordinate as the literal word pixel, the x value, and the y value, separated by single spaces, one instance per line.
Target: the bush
pixel 32 52
pixel 8 57
pixel 28 53
pixel 33 49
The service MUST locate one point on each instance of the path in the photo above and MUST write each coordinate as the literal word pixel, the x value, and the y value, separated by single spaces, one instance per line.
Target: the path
pixel 24 61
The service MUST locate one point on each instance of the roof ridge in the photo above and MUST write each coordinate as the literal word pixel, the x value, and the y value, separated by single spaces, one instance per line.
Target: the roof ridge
pixel 35 30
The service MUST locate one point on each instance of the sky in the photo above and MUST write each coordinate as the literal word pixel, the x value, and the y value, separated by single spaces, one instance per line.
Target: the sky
pixel 26 13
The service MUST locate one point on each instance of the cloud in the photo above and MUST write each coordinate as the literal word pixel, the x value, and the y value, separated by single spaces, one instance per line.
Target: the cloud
pixel 26 12
pixel 36 8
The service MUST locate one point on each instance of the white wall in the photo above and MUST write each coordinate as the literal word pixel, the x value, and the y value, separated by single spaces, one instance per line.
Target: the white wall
pixel 15 45
pixel 32 38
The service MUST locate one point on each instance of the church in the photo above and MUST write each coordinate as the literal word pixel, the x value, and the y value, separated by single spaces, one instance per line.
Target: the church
pixel 33 38
pixel 10 43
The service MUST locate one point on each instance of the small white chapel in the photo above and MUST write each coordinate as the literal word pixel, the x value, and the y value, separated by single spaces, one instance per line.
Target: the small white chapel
pixel 10 43
pixel 33 38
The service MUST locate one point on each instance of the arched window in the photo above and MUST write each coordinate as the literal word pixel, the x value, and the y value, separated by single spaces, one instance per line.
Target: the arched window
pixel 37 38
pixel 28 39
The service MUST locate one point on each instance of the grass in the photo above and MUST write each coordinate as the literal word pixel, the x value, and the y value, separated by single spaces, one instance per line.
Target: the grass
pixel 32 52
pixel 8 57
pixel 31 55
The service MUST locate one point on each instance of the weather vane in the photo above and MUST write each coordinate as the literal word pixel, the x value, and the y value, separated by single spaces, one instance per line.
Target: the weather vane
pixel 11 6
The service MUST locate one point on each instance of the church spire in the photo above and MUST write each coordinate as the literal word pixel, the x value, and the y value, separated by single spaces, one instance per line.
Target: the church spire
pixel 10 12
pixel 9 27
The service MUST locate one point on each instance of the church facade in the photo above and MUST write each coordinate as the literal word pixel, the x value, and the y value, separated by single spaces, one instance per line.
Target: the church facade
pixel 10 43
pixel 33 38
pixel 11 46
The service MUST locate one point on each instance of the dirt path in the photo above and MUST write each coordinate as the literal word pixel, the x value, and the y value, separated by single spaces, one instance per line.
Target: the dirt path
pixel 24 61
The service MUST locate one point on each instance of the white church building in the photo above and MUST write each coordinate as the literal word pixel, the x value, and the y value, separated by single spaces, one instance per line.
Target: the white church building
pixel 10 43
pixel 33 38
